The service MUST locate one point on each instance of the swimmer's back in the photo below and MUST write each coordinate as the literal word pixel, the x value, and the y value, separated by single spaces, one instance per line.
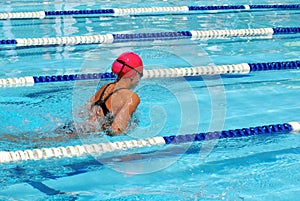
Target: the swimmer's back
pixel 118 97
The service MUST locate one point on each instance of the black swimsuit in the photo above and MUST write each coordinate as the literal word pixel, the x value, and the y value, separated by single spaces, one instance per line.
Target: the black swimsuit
pixel 101 102
pixel 109 117
pixel 69 127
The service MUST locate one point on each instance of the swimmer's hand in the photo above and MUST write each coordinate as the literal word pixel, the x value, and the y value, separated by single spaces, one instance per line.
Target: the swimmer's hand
pixel 116 131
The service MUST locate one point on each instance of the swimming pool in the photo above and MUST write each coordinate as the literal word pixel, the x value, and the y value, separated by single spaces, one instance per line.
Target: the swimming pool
pixel 262 167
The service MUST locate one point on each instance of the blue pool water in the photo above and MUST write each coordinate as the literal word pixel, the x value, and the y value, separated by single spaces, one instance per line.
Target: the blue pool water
pixel 249 168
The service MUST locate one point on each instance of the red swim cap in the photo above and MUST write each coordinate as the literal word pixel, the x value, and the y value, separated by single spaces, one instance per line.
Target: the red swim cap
pixel 128 65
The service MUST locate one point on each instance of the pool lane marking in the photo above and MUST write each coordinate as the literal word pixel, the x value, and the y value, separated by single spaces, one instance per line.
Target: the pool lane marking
pixel 146 11
pixel 267 32
pixel 243 68
pixel 102 148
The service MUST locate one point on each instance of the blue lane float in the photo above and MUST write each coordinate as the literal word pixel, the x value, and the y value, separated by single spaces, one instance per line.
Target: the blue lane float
pixel 244 132
pixel 63 78
pixel 8 42
pixel 286 30
pixel 244 7
pixel 190 35
pixel 274 65
pixel 79 12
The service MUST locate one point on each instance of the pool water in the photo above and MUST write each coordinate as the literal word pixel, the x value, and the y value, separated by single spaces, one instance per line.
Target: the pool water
pixel 249 168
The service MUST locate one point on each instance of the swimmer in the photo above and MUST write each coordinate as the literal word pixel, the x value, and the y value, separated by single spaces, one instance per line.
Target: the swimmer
pixel 112 106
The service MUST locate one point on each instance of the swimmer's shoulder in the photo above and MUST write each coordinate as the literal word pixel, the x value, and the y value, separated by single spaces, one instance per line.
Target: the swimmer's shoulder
pixel 130 95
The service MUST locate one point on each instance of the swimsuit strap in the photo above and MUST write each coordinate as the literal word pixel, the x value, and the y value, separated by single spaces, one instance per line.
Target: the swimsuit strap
pixel 102 94
pixel 101 102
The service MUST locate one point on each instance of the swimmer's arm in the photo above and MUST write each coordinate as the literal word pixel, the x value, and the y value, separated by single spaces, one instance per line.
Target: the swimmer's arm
pixel 90 102
pixel 122 118
pixel 23 138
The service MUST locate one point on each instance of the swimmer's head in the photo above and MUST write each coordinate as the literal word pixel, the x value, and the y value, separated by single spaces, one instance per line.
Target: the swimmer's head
pixel 128 65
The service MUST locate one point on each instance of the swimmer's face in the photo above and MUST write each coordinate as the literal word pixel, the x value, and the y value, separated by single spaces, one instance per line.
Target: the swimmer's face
pixel 135 80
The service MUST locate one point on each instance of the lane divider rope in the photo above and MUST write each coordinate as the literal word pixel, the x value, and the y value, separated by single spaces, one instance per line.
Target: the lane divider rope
pixel 137 37
pixel 243 68
pixel 143 11
pixel 102 148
